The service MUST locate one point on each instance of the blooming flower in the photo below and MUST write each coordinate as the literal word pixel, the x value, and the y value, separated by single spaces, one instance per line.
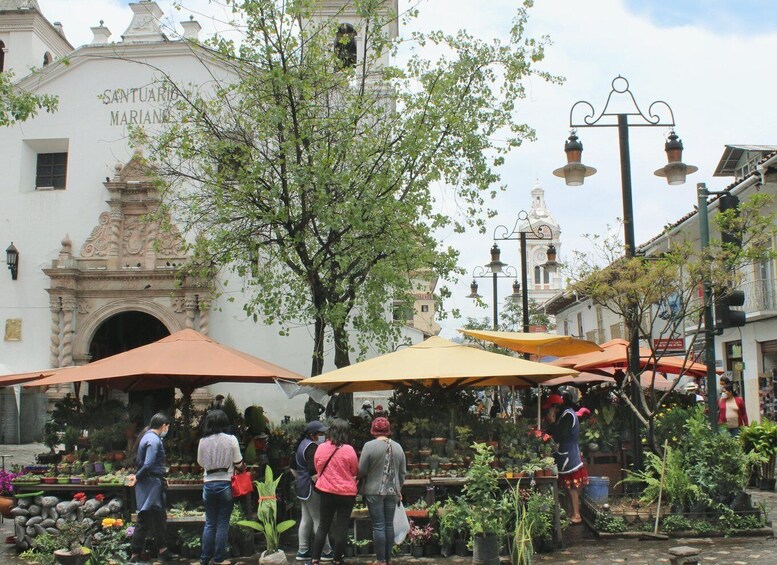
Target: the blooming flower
pixel 100 497
pixel 130 531
pixel 119 523
pixel 108 522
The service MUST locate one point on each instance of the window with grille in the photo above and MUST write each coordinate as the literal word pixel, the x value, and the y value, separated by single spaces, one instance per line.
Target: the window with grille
pixel 51 171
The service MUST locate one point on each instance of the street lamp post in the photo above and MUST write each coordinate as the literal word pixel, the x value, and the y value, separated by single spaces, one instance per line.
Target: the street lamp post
pixel 494 270
pixel 524 230
pixel 659 114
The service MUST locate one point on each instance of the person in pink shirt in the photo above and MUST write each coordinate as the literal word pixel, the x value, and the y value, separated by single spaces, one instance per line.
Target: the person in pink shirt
pixel 336 467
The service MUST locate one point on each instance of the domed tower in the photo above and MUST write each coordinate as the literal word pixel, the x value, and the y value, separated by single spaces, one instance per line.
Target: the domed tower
pixel 543 276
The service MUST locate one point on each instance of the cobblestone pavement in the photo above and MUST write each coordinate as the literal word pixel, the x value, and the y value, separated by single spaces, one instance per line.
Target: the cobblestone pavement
pixel 584 549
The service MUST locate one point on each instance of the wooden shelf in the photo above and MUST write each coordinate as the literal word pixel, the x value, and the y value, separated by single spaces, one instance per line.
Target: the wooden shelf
pixel 69 487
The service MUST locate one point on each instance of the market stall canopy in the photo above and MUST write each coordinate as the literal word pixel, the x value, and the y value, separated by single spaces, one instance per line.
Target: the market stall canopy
pixel 536 343
pixel 20 378
pixel 186 359
pixel 614 355
pixel 437 362
pixel 581 379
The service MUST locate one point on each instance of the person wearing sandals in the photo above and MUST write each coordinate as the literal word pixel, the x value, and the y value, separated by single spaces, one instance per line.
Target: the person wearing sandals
pixel 218 453
pixel 382 470
pixel 565 429
pixel 336 467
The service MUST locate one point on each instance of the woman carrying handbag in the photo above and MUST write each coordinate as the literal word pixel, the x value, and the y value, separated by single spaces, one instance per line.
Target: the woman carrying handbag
pixel 219 455
pixel 336 466
pixel 382 470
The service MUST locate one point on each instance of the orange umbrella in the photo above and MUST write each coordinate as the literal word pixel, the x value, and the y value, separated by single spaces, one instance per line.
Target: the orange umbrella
pixel 536 343
pixel 615 356
pixel 186 359
pixel 19 378
pixel 581 379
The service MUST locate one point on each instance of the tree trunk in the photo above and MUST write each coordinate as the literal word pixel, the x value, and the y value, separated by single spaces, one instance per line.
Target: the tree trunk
pixel 342 359
pixel 318 347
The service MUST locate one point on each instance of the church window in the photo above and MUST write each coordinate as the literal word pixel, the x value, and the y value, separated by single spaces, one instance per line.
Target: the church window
pixel 2 56
pixel 345 45
pixel 51 171
pixel 47 59
pixel 537 275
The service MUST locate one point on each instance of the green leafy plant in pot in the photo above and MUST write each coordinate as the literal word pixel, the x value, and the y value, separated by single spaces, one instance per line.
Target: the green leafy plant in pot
pixel 267 518
pixel 761 438
pixel 488 506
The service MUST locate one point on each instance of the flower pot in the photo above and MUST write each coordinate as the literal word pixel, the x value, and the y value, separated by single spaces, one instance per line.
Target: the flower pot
pixel 767 484
pixel 6 503
pixel 119 455
pixel 99 468
pixel 417 550
pixel 460 547
pixel 66 557
pixel 75 480
pixel 49 480
pixel 486 550
pixel 349 551
pixel 63 480
pixel 431 550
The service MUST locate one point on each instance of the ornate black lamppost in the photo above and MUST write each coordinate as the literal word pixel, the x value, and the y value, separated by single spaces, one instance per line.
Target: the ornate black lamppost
pixel 522 231
pixel 495 269
pixel 659 114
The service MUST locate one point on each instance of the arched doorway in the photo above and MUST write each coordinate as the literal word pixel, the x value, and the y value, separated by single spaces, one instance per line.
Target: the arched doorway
pixel 122 332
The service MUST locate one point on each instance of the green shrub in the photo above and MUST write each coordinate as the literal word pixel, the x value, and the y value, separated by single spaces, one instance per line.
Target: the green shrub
pixel 609 523
pixel 676 523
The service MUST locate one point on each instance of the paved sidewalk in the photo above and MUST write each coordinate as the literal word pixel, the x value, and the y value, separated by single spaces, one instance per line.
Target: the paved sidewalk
pixel 23 454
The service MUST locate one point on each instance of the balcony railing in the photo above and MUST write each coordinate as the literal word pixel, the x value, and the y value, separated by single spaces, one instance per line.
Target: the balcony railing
pixel 760 295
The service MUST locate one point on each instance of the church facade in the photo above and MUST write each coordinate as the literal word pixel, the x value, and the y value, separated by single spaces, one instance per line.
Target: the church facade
pixel 94 277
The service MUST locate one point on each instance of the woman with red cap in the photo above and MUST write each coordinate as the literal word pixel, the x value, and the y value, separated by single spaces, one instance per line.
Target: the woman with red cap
pixel 382 470
pixel 565 429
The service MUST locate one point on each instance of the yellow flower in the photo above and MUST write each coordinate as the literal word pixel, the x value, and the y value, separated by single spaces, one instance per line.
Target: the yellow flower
pixel 108 522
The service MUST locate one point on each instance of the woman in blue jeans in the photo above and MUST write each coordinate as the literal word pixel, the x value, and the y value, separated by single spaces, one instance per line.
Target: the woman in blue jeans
pixel 382 470
pixel 218 454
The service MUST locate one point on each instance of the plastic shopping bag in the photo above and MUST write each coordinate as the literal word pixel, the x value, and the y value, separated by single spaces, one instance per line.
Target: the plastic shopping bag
pixel 401 524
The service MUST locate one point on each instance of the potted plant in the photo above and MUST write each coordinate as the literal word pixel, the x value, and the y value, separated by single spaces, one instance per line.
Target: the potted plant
pixel 454 529
pixel 73 536
pixel 6 492
pixel 761 438
pixel 417 538
pixel 267 519
pixel 487 506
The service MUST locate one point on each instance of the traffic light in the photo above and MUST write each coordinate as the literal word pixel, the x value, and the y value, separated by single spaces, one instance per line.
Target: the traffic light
pixel 729 202
pixel 725 317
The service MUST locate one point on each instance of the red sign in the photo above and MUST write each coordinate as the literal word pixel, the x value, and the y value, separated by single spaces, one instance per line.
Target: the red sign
pixel 674 345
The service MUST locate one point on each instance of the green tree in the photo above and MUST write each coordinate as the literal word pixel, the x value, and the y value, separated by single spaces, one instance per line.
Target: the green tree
pixel 659 294
pixel 17 105
pixel 317 179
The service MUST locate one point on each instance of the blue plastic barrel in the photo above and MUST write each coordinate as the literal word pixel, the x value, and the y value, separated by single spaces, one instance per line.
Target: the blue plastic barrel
pixel 598 489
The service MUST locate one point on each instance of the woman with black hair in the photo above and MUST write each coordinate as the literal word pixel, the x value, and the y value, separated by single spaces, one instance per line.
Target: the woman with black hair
pixel 149 484
pixel 219 454
pixel 564 426
pixel 336 466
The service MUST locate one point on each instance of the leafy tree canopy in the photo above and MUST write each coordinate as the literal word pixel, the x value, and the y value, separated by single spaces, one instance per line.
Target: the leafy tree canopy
pixel 18 105
pixel 317 176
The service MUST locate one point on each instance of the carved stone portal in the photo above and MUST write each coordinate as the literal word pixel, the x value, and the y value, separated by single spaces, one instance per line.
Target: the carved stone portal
pixel 128 263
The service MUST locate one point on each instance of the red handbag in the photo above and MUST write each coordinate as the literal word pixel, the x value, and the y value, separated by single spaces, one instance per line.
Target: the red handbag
pixel 242 484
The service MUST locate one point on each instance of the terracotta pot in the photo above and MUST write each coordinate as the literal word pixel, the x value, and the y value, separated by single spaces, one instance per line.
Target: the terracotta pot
pixel 69 458
pixel 65 557
pixel 49 480
pixel 119 455
pixel 6 504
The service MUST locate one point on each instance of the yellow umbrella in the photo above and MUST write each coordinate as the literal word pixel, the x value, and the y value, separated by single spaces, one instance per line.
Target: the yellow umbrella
pixel 440 362
pixel 536 343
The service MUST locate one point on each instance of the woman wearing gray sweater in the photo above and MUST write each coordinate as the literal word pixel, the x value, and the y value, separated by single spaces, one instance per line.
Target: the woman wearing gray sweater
pixel 382 470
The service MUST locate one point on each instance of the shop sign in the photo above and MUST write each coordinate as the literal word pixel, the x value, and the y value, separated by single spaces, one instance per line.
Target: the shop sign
pixel 673 345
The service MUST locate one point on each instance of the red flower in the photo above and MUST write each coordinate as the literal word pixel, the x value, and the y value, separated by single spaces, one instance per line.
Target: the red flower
pixel 100 497
pixel 79 496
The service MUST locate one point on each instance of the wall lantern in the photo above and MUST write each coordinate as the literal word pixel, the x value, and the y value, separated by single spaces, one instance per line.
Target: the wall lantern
pixel 12 258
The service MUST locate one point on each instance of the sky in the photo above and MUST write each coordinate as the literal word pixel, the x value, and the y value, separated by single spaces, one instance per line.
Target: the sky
pixel 708 59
